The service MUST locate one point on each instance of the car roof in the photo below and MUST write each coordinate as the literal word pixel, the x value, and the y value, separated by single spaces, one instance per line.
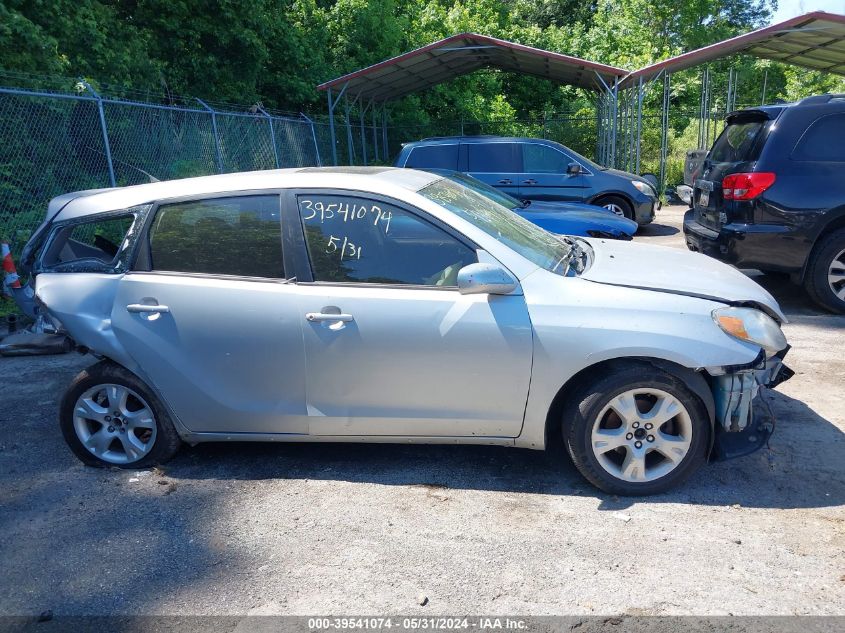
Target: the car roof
pixel 385 180
pixel 772 111
pixel 446 140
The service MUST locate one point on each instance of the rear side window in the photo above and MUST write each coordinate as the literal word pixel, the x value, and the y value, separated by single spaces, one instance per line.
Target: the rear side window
pixel 494 157
pixel 238 236
pixel 737 143
pixel 824 140
pixel 434 157
pixel 101 244
pixel 540 159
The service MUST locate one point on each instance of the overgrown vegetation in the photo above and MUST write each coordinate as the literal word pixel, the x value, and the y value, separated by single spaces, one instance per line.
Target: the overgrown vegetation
pixel 276 51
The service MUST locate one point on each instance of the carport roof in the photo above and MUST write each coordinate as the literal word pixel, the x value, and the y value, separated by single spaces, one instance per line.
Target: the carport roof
pixel 465 53
pixel 814 40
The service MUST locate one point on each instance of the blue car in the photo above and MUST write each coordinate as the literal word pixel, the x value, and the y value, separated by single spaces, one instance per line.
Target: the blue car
pixel 561 218
pixel 536 169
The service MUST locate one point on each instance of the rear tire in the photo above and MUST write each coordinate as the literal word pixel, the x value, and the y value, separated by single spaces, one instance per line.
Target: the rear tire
pixel 638 430
pixel 825 278
pixel 109 417
pixel 618 205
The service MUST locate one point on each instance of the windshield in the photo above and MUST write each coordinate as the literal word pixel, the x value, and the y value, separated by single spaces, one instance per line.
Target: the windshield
pixel 529 240
pixel 485 190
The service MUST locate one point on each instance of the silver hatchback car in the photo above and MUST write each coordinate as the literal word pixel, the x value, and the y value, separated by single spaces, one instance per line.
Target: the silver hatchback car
pixel 393 305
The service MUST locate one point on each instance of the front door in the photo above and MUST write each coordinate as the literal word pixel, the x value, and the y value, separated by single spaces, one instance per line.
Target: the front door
pixel 497 163
pixel 392 348
pixel 211 321
pixel 544 176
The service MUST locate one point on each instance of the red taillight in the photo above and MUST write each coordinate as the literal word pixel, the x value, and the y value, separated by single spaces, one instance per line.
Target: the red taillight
pixel 746 186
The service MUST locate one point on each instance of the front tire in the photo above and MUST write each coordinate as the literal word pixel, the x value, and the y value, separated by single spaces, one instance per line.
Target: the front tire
pixel 618 206
pixel 109 417
pixel 639 430
pixel 825 279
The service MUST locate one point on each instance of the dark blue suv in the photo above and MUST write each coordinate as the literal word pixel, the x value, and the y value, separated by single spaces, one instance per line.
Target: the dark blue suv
pixel 536 169
pixel 771 195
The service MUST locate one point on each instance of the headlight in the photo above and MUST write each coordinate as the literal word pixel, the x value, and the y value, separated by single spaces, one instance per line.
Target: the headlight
pixel 645 188
pixel 754 326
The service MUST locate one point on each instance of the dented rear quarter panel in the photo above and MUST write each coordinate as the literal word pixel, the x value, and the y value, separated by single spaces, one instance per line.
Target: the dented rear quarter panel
pixel 83 302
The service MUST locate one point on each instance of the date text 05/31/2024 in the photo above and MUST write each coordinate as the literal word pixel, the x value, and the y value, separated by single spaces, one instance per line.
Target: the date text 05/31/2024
pixel 418 623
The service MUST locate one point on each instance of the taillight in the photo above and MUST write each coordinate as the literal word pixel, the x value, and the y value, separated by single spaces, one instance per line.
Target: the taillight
pixel 746 186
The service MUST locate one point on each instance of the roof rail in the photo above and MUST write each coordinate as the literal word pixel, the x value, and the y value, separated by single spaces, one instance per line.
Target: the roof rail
pixel 825 98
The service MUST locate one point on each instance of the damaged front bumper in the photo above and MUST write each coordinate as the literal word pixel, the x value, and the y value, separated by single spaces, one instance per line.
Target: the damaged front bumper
pixel 742 426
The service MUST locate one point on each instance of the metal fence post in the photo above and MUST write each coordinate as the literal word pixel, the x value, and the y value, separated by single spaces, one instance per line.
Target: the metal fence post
pixel 105 130
pixel 313 136
pixel 218 155
pixel 272 134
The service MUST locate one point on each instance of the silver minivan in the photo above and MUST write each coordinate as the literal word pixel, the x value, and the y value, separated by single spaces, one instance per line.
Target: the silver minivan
pixel 393 305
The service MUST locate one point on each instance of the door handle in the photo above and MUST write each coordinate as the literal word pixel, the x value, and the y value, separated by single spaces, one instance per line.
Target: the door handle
pixel 142 307
pixel 530 181
pixel 505 181
pixel 315 317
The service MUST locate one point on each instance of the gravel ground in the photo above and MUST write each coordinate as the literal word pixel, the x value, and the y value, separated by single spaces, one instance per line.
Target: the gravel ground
pixel 314 529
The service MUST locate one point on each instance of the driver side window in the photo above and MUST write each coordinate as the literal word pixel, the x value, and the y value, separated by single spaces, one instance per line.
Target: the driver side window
pixel 354 239
pixel 540 159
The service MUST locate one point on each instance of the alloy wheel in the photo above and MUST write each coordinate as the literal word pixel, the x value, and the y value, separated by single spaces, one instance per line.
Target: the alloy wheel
pixel 642 435
pixel 114 423
pixel 610 206
pixel 836 275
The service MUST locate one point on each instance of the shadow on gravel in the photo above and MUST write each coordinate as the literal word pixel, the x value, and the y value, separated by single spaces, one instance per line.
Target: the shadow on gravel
pixel 799 473
pixel 795 303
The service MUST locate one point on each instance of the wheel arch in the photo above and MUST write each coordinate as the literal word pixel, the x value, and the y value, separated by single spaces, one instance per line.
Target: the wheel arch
pixel 105 361
pixel 693 379
pixel 831 223
pixel 613 193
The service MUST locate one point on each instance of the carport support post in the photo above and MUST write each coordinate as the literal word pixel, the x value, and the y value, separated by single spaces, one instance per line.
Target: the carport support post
pixel 362 111
pixel 639 122
pixel 765 82
pixel 664 132
pixel 350 150
pixel 375 132
pixel 615 107
pixel 217 155
pixel 384 132
pixel 106 144
pixel 331 127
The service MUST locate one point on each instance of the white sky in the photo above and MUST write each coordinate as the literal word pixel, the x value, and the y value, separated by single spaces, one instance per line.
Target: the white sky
pixel 790 8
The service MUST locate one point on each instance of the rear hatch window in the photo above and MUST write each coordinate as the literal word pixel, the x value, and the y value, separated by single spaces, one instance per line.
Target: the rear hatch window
pixel 736 143
pixel 737 146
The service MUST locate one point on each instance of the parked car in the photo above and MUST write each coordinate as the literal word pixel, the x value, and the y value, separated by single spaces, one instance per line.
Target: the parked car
pixel 560 218
pixel 536 169
pixel 394 305
pixel 771 195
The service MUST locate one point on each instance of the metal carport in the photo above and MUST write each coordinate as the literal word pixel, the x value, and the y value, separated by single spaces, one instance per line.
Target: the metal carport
pixel 815 40
pixel 446 59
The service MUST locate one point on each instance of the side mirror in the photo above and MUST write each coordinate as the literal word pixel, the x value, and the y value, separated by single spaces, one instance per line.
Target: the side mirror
pixel 491 279
pixel 573 169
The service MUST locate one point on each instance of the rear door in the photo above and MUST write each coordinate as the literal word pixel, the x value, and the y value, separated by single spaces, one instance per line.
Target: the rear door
pixel 210 319
pixel 734 151
pixel 498 163
pixel 544 175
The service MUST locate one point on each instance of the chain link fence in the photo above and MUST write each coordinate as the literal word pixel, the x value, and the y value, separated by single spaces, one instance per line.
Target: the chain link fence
pixel 52 143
